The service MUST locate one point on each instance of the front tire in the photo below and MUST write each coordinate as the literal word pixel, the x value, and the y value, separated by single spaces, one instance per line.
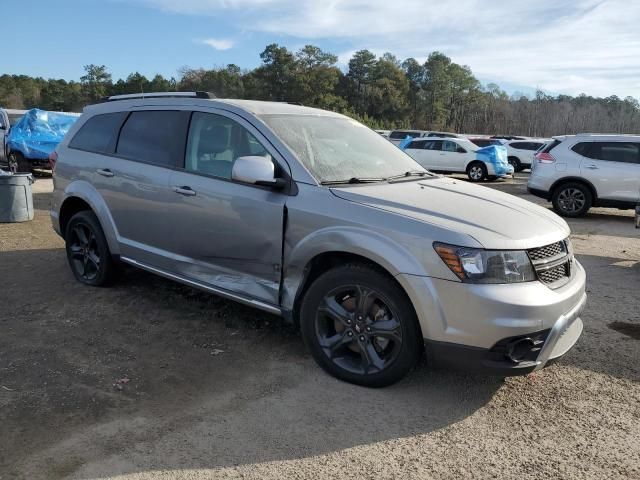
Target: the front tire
pixel 477 171
pixel 572 199
pixel 360 326
pixel 87 250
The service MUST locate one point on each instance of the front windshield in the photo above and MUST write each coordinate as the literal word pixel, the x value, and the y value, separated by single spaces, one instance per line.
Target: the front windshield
pixel 337 148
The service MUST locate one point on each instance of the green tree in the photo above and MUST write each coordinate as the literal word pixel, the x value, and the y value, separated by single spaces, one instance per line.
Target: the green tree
pixel 96 82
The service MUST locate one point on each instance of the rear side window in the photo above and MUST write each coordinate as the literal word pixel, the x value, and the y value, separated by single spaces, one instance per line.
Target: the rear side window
pixel 156 137
pixel 582 148
pixel 551 145
pixel 449 146
pixel 623 152
pixel 98 133
pixel 519 145
pixel 433 145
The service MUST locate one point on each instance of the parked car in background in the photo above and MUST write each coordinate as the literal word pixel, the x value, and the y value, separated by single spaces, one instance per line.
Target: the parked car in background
pixel 458 155
pixel 384 133
pixel 577 172
pixel 507 137
pixel 442 135
pixel 520 152
pixel 485 142
pixel 310 215
pixel 35 136
pixel 4 131
pixel 396 136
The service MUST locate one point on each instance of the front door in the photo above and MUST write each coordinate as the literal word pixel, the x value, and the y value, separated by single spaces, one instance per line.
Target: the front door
pixel 225 234
pixel 614 169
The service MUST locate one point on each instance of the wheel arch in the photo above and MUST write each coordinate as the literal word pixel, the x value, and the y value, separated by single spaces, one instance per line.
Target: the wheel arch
pixel 327 248
pixel 581 180
pixel 82 196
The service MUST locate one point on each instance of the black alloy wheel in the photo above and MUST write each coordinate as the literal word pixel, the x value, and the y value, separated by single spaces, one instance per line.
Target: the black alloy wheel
pixel 87 250
pixel 360 326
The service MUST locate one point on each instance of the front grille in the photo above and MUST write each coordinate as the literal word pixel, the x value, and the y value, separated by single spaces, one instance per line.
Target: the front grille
pixel 553 274
pixel 543 253
pixel 552 263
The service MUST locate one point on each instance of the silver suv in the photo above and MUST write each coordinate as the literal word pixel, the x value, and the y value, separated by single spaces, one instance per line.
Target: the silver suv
pixel 312 216
pixel 577 172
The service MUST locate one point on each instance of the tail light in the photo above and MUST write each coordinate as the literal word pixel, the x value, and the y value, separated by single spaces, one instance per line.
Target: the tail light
pixel 544 157
pixel 53 158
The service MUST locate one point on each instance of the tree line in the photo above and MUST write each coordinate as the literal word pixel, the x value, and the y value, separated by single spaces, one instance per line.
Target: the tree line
pixel 382 92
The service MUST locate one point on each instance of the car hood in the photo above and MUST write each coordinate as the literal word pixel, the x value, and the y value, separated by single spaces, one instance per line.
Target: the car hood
pixel 494 219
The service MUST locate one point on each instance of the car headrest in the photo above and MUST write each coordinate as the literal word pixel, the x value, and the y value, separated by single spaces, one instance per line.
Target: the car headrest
pixel 213 139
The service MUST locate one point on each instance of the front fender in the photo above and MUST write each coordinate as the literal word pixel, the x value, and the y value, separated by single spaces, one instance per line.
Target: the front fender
pixel 85 191
pixel 390 255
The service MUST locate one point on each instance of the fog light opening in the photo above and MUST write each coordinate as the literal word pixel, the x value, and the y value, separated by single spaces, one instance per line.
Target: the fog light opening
pixel 518 350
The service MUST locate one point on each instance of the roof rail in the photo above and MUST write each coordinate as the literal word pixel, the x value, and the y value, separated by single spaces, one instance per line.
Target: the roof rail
pixel 608 134
pixel 133 96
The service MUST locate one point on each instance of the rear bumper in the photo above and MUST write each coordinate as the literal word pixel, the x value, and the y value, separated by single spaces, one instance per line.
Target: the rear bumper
pixel 538 192
pixel 537 350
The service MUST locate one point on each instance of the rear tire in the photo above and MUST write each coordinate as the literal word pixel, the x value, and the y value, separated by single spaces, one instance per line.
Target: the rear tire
pixel 572 199
pixel 477 171
pixel 360 326
pixel 87 250
pixel 515 163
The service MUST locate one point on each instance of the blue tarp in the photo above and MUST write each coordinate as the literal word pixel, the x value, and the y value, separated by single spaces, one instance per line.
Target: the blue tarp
pixel 497 156
pixel 405 142
pixel 39 132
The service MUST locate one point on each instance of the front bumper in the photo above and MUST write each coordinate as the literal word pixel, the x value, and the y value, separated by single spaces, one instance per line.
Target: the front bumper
pixel 540 348
pixel 475 326
pixel 500 171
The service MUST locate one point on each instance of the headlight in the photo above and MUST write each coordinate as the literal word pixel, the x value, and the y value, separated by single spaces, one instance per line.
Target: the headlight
pixel 476 265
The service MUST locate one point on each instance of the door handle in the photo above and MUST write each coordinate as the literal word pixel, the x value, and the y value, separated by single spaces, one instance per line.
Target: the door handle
pixel 184 190
pixel 105 172
pixel 592 167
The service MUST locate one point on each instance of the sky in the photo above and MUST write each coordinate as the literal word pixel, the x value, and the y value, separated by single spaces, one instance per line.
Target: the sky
pixel 569 47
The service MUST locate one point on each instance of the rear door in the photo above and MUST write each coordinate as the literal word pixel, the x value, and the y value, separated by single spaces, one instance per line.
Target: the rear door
pixel 134 182
pixel 613 167
pixel 226 234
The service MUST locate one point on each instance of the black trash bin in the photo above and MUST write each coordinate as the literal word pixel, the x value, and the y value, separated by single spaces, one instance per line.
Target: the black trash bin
pixel 16 197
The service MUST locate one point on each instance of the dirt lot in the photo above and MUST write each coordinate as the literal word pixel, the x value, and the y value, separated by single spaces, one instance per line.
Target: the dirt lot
pixel 217 390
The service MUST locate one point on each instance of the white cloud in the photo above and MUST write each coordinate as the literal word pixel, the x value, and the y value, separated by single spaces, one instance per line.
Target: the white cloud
pixel 568 46
pixel 218 44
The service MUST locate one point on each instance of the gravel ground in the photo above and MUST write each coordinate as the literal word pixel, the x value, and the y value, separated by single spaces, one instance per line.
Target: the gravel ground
pixel 150 379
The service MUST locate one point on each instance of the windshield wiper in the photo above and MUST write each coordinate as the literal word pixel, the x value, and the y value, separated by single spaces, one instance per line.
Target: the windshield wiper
pixel 353 180
pixel 410 173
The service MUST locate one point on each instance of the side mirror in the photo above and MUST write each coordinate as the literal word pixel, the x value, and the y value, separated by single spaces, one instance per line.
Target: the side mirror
pixel 256 170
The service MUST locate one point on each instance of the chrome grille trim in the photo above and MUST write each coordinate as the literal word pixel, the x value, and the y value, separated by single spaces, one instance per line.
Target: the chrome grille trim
pixel 553 263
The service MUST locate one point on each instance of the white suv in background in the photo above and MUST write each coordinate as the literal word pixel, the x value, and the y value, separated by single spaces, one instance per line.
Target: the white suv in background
pixel 520 152
pixel 577 172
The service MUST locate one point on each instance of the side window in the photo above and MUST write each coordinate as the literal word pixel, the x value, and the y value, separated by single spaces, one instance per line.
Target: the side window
pixel 417 145
pixel 154 136
pixel 98 133
pixel 214 143
pixel 517 145
pixel 624 152
pixel 582 148
pixel 535 146
pixel 448 146
pixel 433 145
